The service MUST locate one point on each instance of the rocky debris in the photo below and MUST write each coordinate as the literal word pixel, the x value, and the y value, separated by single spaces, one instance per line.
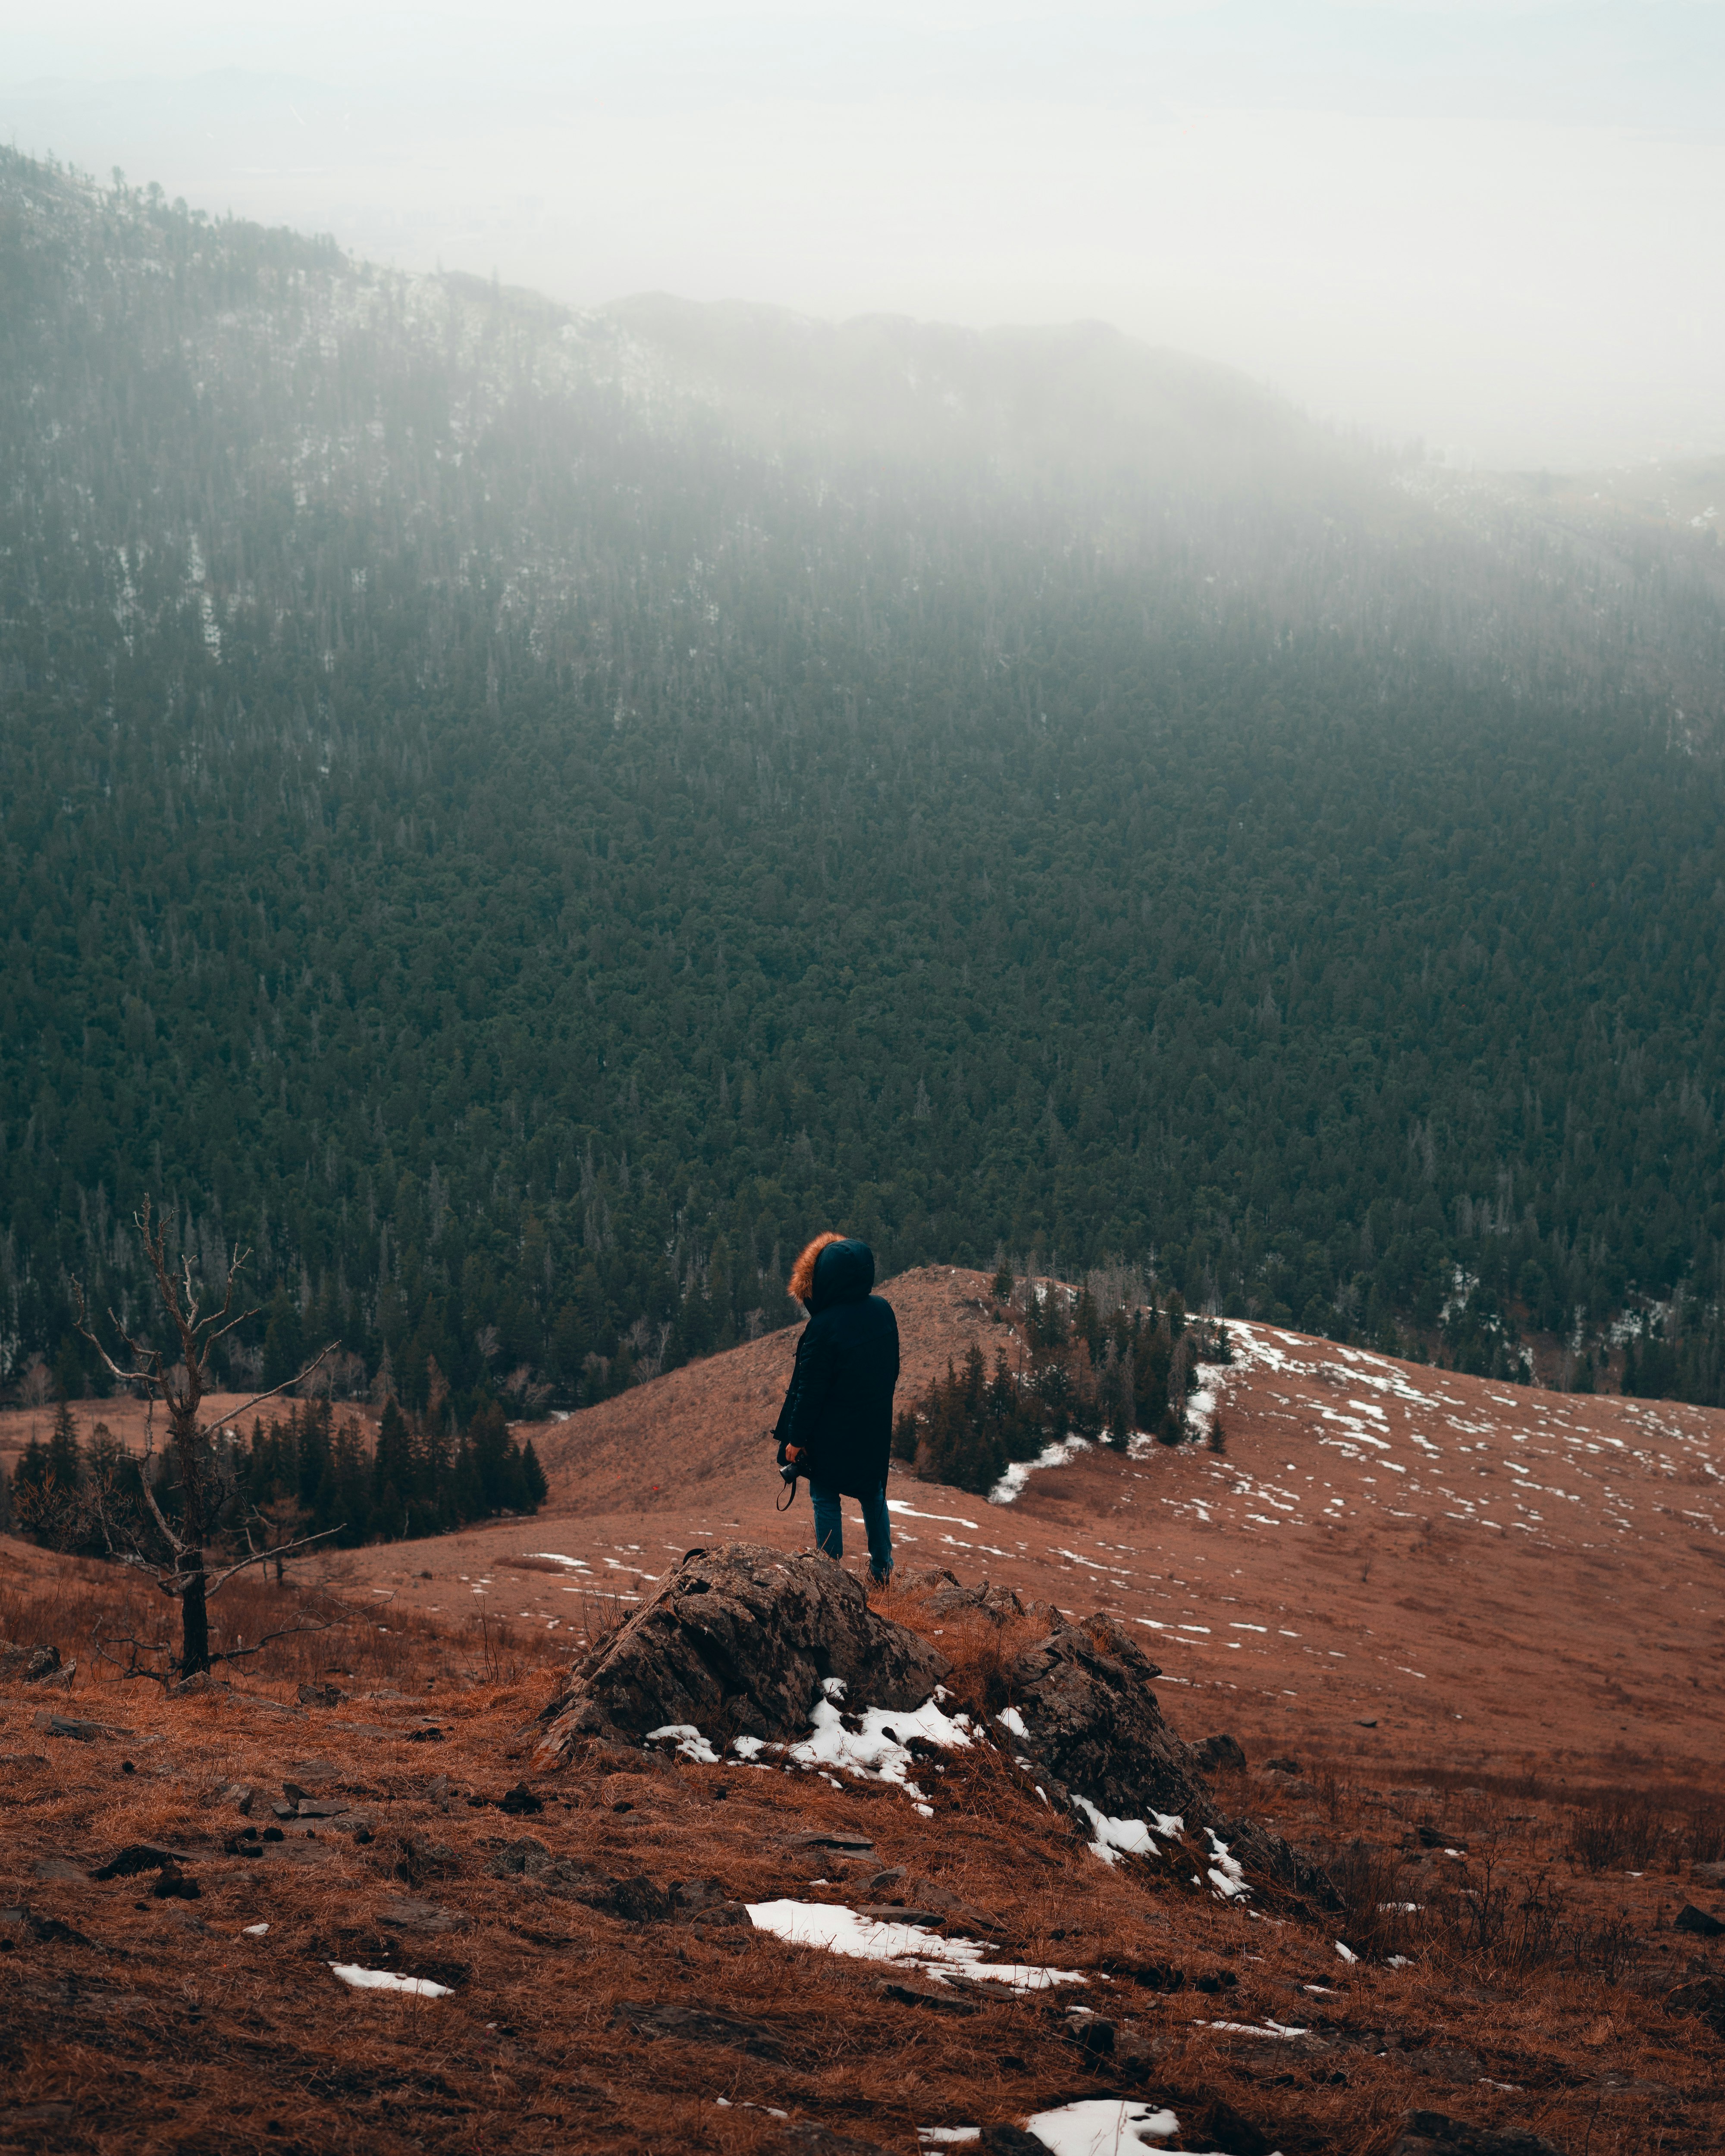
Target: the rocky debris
pixel 1093 2033
pixel 141 1856
pixel 1219 1754
pixel 519 1801
pixel 701 2024
pixel 23 1665
pixel 1710 1875
pixel 59 1868
pixel 902 1897
pixel 81 1732
pixel 1084 1697
pixel 321 1695
pixel 1689 1918
pixel 737 1642
pixel 808 2139
pixel 1282 1767
pixel 421 1858
pixel 637 1901
pixel 944 1595
pixel 705 1903
pixel 1705 1997
pixel 1431 2133
pixel 943 2001
pixel 847 1845
pixel 173 1885
pixel 408 1912
pixel 45 1931
pixel 1008 2140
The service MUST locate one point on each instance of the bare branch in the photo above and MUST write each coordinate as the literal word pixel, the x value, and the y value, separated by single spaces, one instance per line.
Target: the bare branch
pixel 286 1385
pixel 80 1318
pixel 286 1632
pixel 269 1556
pixel 134 1668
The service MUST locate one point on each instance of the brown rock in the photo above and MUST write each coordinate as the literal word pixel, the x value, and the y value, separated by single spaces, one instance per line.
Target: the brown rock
pixel 736 1641
pixel 1086 1698
pixel 701 2024
pixel 1431 2133
pixel 407 1913
pixel 81 1732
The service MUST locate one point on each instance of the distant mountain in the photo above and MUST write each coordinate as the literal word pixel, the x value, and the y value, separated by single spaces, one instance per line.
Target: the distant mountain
pixel 520 815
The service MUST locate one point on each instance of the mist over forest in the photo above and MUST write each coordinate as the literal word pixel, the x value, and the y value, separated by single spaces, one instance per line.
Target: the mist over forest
pixel 521 816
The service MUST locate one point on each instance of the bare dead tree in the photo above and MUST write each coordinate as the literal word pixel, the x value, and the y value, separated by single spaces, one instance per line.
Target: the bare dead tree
pixel 182 1386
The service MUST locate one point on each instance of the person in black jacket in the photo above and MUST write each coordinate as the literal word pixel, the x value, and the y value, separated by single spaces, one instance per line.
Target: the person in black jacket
pixel 836 1424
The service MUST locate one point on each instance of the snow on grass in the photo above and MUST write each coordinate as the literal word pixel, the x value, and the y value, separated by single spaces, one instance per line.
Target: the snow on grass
pixel 255 1930
pixel 689 1740
pixel 1012 1481
pixel 1225 1875
pixel 877 1751
pixel 945 1519
pixel 838 1930
pixel 1112 1838
pixel 383 1979
pixel 1011 1719
pixel 555 1556
pixel 1103 2126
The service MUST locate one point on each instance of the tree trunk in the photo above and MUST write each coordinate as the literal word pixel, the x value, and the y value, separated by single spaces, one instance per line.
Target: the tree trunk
pixel 194 1619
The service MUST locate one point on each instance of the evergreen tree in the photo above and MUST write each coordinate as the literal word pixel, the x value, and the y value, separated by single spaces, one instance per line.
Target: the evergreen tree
pixel 393 1478
pixel 533 1478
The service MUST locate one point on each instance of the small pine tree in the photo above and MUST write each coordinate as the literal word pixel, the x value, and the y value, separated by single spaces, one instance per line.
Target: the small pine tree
pixel 533 1477
pixel 64 1465
pixel 1218 1437
pixel 391 1470
pixel 1000 1288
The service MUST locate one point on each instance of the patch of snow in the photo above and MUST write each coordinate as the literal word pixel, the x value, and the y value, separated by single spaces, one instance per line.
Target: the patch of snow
pixel 947 2136
pixel 1010 1719
pixel 384 1979
pixel 1012 1481
pixel 1225 1875
pixel 878 1752
pixel 1112 1838
pixel 690 1743
pixel 255 1930
pixel 946 1519
pixel 555 1557
pixel 1346 1954
pixel 842 1931
pixel 1102 2125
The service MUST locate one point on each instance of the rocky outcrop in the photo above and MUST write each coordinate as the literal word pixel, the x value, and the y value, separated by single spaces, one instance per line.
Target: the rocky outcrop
pixel 1084 1697
pixel 1091 1721
pixel 736 1643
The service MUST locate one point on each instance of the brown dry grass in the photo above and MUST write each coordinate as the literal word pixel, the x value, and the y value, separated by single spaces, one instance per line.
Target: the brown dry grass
pixel 172 2031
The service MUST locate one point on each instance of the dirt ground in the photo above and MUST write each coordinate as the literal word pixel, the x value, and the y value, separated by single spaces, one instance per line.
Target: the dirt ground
pixel 1467 1634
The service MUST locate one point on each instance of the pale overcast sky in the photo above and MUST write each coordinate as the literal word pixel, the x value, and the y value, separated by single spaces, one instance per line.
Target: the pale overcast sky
pixel 1498 227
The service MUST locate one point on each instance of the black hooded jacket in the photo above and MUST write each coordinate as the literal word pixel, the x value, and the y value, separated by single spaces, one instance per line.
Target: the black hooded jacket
pixel 838 1408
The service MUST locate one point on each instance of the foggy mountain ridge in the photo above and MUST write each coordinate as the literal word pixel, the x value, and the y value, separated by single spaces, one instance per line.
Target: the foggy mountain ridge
pixel 1128 448
pixel 515 820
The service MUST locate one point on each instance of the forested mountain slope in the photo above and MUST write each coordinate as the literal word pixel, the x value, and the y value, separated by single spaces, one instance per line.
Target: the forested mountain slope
pixel 521 816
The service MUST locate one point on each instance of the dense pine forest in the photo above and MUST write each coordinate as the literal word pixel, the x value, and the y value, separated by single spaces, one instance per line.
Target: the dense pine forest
pixel 520 817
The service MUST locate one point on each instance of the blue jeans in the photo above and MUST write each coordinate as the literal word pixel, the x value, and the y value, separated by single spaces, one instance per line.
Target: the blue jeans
pixel 829 1528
